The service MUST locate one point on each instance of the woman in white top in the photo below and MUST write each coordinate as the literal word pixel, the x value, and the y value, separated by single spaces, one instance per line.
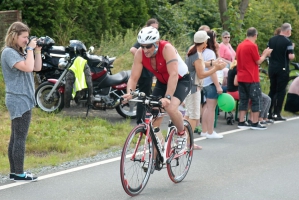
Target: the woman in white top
pixel 211 90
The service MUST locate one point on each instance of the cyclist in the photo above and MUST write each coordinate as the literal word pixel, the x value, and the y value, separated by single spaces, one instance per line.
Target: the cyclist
pixel 146 79
pixel 173 79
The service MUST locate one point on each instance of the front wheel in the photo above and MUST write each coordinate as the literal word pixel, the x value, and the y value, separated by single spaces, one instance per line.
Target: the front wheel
pixel 127 110
pixel 56 101
pixel 136 161
pixel 179 164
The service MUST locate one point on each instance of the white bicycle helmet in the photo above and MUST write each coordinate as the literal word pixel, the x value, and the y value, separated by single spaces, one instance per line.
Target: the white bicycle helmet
pixel 148 35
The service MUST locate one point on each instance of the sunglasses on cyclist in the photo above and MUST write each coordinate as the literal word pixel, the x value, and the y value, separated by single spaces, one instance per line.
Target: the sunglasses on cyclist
pixel 147 46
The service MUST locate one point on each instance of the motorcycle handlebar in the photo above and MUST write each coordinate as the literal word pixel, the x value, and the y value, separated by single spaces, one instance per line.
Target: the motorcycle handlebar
pixel 296 65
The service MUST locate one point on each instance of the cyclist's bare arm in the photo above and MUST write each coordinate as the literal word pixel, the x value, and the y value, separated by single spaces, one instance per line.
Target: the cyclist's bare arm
pixel 135 74
pixel 171 58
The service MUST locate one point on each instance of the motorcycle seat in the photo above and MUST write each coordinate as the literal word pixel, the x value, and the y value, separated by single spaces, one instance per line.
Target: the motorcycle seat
pixel 57 49
pixel 116 79
pixel 94 58
pixel 97 59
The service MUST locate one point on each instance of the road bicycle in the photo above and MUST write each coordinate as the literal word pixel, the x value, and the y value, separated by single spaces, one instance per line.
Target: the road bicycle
pixel 137 158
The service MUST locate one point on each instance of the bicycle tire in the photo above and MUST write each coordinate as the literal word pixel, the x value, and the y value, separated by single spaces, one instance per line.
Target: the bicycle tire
pixel 179 166
pixel 135 173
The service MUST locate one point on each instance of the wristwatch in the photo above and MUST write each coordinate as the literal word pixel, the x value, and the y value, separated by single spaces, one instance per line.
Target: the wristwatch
pixel 167 96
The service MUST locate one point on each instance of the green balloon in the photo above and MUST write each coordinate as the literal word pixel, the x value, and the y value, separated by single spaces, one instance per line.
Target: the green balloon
pixel 226 102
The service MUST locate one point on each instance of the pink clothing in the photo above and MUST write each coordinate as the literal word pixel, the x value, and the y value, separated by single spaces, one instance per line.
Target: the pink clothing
pixel 227 52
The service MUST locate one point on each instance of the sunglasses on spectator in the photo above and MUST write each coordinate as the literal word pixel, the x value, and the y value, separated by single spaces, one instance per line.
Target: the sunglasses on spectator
pixel 147 46
pixel 226 37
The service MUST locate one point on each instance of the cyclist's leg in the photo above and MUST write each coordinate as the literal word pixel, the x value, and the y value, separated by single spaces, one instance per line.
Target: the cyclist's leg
pixel 174 113
pixel 182 90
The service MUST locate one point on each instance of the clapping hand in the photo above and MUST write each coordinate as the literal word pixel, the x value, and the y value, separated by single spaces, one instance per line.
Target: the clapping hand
pixel 220 64
pixel 267 52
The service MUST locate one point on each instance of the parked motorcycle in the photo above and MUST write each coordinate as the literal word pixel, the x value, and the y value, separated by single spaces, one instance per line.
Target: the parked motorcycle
pixel 52 53
pixel 107 88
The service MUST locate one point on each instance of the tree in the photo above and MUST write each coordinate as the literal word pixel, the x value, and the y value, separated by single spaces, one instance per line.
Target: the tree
pixel 232 14
pixel 266 16
pixel 225 5
pixel 79 19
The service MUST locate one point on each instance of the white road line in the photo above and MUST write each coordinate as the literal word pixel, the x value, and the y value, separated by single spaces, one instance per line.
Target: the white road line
pixel 108 161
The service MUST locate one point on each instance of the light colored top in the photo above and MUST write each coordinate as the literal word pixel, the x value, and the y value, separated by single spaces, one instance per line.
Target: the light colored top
pixel 209 54
pixel 19 85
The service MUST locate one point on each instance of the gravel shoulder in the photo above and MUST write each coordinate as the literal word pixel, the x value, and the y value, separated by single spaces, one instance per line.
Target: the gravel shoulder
pixel 110 115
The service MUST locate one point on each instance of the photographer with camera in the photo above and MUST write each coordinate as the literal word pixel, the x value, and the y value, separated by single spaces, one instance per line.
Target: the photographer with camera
pixel 17 68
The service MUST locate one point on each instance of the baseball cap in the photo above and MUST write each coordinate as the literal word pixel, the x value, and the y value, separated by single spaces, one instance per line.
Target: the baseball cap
pixel 200 36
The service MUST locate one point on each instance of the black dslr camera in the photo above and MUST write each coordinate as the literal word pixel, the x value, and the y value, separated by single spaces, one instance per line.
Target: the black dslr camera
pixel 39 42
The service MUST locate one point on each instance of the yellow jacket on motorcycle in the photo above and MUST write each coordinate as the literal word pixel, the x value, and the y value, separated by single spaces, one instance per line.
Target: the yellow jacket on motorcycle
pixel 78 69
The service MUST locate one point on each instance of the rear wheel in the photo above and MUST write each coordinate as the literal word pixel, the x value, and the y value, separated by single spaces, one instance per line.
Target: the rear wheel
pixel 56 101
pixel 179 165
pixel 136 161
pixel 127 110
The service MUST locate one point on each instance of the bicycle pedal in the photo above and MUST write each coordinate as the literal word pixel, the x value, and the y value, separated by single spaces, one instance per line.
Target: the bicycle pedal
pixel 145 168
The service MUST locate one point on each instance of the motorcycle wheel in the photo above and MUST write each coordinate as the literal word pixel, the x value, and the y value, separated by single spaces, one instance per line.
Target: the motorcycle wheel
pixel 56 101
pixel 127 110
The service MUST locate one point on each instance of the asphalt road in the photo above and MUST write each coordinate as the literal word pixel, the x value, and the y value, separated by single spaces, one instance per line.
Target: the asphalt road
pixel 244 165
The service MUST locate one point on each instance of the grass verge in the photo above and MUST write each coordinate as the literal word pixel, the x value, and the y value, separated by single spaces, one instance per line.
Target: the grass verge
pixel 55 138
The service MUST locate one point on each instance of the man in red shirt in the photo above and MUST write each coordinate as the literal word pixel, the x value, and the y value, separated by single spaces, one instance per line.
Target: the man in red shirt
pixel 248 78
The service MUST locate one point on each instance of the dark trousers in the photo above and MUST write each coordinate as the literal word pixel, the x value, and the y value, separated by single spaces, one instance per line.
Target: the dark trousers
pixel 16 147
pixel 145 85
pixel 278 82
